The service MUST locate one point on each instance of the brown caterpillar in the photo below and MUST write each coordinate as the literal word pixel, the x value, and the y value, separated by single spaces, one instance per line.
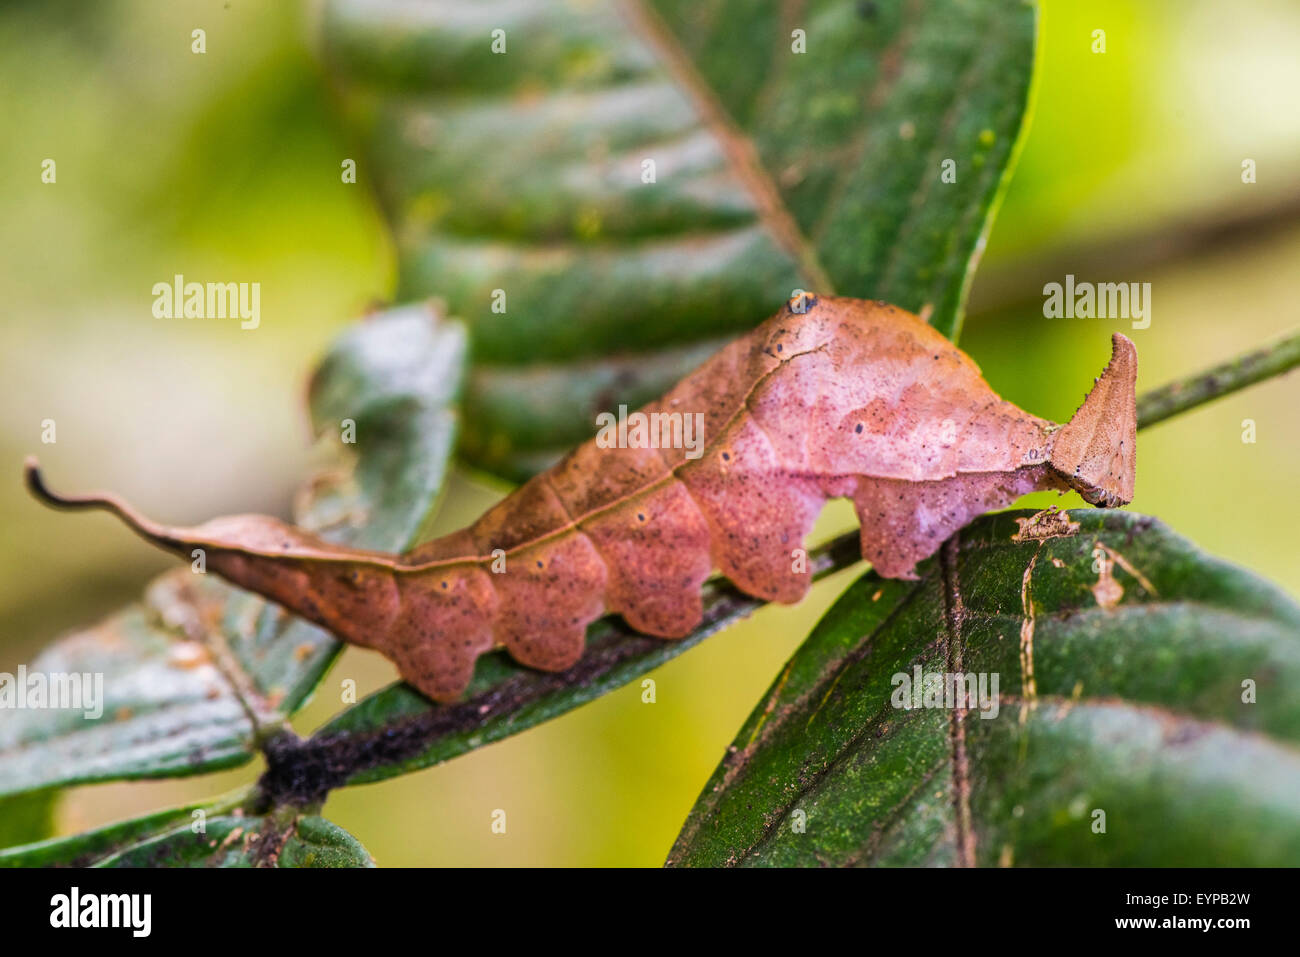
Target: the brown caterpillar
pixel 828 398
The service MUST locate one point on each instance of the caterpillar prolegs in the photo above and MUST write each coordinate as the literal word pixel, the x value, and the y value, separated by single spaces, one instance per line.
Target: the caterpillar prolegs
pixel 829 398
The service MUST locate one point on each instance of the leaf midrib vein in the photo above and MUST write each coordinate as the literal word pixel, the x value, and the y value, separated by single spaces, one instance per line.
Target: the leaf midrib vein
pixel 739 150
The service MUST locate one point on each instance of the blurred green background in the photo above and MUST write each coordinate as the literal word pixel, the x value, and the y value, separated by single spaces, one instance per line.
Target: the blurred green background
pixel 227 164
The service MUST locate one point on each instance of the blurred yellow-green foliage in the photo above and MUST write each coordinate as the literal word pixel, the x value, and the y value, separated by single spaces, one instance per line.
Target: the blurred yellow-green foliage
pixel 228 164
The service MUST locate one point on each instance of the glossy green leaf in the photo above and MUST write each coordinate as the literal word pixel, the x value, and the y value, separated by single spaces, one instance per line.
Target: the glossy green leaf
pixel 281 840
pixel 89 847
pixel 1143 686
pixel 194 675
pixel 524 173
pixel 219 833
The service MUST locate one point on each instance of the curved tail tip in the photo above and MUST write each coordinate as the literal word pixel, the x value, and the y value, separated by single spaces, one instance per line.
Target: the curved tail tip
pixel 1095 452
pixel 36 482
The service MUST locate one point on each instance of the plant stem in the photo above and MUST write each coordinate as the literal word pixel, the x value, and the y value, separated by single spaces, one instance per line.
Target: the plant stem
pixel 1183 394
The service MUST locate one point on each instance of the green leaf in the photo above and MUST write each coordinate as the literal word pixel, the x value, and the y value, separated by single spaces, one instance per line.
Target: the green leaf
pixel 26 817
pixel 85 849
pixel 774 170
pixel 280 840
pixel 195 674
pixel 218 833
pixel 1122 652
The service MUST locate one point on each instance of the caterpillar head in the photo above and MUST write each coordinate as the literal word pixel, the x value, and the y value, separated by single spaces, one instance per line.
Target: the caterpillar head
pixel 1096 451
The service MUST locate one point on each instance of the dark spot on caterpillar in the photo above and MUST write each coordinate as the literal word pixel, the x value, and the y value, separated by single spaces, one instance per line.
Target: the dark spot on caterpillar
pixel 779 347
pixel 858 428
pixel 726 456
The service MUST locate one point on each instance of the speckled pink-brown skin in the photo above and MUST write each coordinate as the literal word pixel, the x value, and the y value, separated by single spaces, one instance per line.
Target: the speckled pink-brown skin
pixel 848 399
